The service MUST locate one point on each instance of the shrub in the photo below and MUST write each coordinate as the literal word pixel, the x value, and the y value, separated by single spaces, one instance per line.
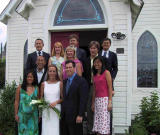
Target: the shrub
pixel 137 128
pixel 148 120
pixel 7 120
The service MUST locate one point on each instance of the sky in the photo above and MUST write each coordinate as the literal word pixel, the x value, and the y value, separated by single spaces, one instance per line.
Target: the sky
pixel 3 27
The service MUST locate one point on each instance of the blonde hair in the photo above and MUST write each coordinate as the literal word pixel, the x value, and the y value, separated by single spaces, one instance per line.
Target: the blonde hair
pixel 62 49
pixel 70 47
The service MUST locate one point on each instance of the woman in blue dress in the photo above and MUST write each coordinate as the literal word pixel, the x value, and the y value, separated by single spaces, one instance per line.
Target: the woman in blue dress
pixel 26 115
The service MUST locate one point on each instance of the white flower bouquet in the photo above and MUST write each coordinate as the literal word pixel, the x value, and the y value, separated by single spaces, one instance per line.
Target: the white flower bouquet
pixel 42 104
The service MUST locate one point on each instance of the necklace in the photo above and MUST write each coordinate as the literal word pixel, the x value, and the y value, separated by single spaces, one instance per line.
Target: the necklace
pixel 30 90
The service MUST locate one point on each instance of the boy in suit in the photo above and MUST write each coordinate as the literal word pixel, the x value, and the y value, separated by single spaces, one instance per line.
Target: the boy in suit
pixel 32 57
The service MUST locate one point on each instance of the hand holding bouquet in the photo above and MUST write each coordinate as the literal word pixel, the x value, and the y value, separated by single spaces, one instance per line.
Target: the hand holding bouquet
pixel 42 104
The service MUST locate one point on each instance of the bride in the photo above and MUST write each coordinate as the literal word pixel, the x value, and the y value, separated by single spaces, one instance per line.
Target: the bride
pixel 51 90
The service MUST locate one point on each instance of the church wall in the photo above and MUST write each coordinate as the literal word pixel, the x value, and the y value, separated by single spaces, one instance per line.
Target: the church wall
pixel 38 26
pixel 121 107
pixel 149 19
pixel 17 32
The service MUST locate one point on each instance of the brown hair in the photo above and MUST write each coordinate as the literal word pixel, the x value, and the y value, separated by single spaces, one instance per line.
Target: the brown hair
pixel 74 36
pixel 96 43
pixel 62 49
pixel 57 76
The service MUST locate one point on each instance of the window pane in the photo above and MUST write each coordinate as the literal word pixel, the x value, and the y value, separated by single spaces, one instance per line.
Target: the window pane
pixel 147 61
pixel 25 53
pixel 79 12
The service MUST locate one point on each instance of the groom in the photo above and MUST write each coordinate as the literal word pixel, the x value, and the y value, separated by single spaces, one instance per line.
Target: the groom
pixel 75 93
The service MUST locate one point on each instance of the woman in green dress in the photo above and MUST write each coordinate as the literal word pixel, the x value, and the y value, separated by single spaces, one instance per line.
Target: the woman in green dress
pixel 25 114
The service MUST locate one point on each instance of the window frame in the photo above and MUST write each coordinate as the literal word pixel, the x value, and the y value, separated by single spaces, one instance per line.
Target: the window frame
pixel 137 37
pixel 53 28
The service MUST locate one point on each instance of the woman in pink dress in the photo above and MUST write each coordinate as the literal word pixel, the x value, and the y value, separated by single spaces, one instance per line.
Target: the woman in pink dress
pixel 70 54
pixel 102 97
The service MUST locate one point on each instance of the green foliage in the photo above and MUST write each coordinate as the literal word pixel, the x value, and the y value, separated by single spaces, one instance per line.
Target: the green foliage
pixel 148 120
pixel 7 121
pixel 150 113
pixel 2 73
pixel 137 128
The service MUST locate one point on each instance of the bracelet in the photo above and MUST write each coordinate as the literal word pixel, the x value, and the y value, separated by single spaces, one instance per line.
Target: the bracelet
pixel 110 101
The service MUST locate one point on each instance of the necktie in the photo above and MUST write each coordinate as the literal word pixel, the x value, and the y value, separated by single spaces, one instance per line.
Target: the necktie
pixel 39 53
pixel 67 86
pixel 104 55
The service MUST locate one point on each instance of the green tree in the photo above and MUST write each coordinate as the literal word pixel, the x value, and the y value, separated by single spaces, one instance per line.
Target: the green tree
pixel 7 120
pixel 2 73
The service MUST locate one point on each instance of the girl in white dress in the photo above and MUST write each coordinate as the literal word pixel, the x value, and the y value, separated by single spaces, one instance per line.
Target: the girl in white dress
pixel 51 90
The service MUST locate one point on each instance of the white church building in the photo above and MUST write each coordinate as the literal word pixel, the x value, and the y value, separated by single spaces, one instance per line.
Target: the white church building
pixel 132 25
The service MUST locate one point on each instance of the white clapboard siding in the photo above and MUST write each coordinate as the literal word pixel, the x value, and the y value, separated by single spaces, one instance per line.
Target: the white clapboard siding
pixel 120 24
pixel 16 36
pixel 149 19
pixel 37 27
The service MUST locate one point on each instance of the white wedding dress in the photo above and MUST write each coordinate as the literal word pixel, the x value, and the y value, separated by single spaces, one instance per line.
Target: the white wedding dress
pixel 50 120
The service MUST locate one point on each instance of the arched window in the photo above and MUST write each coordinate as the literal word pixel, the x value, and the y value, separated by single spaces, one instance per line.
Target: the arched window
pixel 79 12
pixel 25 53
pixel 147 61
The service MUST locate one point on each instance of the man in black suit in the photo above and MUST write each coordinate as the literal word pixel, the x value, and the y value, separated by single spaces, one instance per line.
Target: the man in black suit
pixel 40 72
pixel 93 49
pixel 81 54
pixel 75 93
pixel 32 57
pixel 111 58
pixel 40 75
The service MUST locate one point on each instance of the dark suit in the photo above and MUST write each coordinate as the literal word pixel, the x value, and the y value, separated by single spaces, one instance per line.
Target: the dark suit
pixel 44 77
pixel 73 105
pixel 88 70
pixel 87 75
pixel 31 60
pixel 81 55
pixel 113 63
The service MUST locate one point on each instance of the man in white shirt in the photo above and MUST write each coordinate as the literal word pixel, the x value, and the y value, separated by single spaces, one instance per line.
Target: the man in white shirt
pixel 40 74
pixel 32 57
pixel 40 71
pixel 110 56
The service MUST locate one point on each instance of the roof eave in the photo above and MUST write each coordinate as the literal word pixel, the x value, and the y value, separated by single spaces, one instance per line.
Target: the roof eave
pixel 136 7
pixel 24 7
pixel 6 13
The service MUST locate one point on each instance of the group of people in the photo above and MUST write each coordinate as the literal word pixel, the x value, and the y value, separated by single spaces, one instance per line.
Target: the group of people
pixel 77 85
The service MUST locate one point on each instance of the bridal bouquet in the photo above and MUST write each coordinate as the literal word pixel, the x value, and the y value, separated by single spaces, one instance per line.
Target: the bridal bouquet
pixel 42 104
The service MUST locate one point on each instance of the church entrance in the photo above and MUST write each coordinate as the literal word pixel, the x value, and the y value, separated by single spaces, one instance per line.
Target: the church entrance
pixel 84 37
